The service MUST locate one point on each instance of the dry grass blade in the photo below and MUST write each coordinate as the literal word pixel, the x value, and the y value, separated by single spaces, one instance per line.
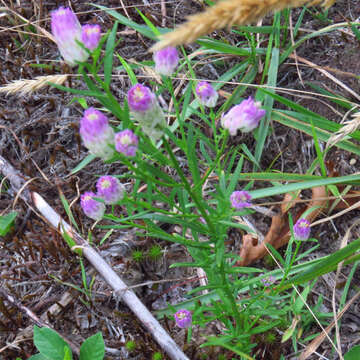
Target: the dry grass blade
pixel 348 128
pixel 227 13
pixel 28 86
pixel 311 348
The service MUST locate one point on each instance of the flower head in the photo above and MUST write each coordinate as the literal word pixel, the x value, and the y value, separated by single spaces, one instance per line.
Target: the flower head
pixel 96 133
pixel 110 189
pixel 244 117
pixel 166 60
pixel 92 208
pixel 90 36
pixel 140 98
pixel 206 93
pixel 267 281
pixel 126 142
pixel 302 229
pixel 240 199
pixel 183 318
pixel 147 111
pixel 67 31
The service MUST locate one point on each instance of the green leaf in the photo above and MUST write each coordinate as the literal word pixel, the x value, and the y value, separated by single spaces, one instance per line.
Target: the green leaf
pixel 109 52
pixel 36 357
pixel 300 301
pixel 142 29
pixel 93 348
pixel 7 222
pixel 282 189
pixel 50 344
pixel 87 160
pixel 353 353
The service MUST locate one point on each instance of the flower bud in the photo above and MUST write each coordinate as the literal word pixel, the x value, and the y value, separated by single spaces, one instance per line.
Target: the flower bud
pixel 240 199
pixel 110 189
pixel 244 117
pixel 146 110
pixel 90 36
pixel 67 31
pixel 206 93
pixel 183 318
pixel 92 208
pixel 302 229
pixel 97 134
pixel 126 142
pixel 166 61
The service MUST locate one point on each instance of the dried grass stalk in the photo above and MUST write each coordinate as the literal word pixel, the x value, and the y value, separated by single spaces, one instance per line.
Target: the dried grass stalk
pixel 227 13
pixel 348 128
pixel 28 86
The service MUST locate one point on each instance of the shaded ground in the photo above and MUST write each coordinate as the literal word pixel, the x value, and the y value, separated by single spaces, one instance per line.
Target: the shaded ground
pixel 41 128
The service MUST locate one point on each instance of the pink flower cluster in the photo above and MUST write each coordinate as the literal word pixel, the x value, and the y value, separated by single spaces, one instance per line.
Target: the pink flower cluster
pixel 244 117
pixel 68 32
pixel 99 137
pixel 109 189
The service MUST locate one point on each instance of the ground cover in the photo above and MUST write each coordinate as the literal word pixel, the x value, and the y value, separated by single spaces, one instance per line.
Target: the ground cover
pixel 306 80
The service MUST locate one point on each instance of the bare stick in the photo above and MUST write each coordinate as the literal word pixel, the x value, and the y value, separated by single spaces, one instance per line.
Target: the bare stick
pixel 112 279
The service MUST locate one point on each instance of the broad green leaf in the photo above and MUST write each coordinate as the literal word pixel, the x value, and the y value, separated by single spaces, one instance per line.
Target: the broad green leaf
pixel 36 357
pixel 353 353
pixel 93 348
pixel 7 222
pixel 49 343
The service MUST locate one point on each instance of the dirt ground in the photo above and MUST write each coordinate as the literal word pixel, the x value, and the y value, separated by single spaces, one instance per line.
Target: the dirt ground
pixel 41 128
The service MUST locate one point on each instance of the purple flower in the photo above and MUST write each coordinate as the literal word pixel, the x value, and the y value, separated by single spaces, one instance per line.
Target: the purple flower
pixel 140 98
pixel 268 280
pixel 97 134
pixel 166 60
pixel 244 117
pixel 110 189
pixel 302 229
pixel 146 111
pixel 92 208
pixel 206 93
pixel 126 142
pixel 90 36
pixel 183 318
pixel 240 199
pixel 67 31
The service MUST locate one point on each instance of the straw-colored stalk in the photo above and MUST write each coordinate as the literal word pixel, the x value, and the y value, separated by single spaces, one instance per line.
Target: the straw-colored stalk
pixel 28 86
pixel 348 128
pixel 227 13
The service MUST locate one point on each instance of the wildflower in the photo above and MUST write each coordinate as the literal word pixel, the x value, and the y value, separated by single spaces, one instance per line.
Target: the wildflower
pixel 92 208
pixel 244 117
pixel 126 142
pixel 268 280
pixel 67 31
pixel 240 199
pixel 90 36
pixel 183 318
pixel 302 229
pixel 207 94
pixel 147 111
pixel 110 189
pixel 166 61
pixel 97 134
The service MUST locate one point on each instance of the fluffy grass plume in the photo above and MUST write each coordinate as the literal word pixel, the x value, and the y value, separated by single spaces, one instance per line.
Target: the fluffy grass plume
pixel 348 128
pixel 227 13
pixel 27 86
